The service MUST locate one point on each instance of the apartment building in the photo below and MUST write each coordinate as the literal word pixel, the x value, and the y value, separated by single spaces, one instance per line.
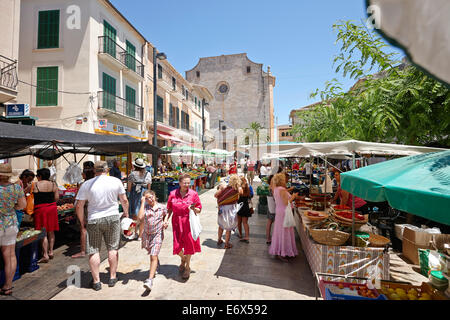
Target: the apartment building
pixel 182 109
pixel 284 133
pixel 83 67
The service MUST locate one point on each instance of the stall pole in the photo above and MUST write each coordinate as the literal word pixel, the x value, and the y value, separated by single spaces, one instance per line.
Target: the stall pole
pixel 325 192
pixel 353 206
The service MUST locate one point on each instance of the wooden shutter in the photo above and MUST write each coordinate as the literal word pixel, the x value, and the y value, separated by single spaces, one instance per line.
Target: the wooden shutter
pixel 47 86
pixel 48 29
pixel 130 97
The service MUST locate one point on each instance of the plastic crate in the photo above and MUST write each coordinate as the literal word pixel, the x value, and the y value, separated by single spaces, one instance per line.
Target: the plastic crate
pixel 262 209
pixel 263 200
pixel 29 258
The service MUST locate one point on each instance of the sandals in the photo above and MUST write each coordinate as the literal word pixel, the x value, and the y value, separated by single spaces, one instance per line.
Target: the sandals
pixel 269 242
pixel 78 255
pixel 228 246
pixel 50 256
pixel 43 260
pixel 219 242
pixel 6 292
pixel 186 273
pixel 182 266
pixel 283 259
pixel 244 240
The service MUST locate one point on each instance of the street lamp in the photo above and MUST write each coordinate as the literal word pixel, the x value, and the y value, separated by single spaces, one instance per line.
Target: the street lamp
pixel 204 104
pixel 156 56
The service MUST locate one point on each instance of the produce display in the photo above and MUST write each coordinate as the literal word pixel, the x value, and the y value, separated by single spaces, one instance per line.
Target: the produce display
pixel 22 235
pixel 194 174
pixel 348 215
pixel 348 291
pixel 66 206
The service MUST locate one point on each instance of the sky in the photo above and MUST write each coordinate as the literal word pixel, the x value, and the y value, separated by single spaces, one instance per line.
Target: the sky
pixel 294 37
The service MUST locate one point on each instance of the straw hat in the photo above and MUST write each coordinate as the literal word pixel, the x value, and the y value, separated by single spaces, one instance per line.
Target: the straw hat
pixel 100 166
pixel 139 163
pixel 6 170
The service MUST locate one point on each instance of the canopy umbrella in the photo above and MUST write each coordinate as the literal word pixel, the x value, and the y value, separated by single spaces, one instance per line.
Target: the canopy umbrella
pixel 220 152
pixel 420 28
pixel 418 184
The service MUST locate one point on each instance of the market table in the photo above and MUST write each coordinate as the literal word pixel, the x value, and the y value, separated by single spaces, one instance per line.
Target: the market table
pixel 27 251
pixel 342 260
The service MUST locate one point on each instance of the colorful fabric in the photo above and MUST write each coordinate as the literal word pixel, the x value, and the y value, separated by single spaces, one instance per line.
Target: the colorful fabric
pixel 182 238
pixel 46 216
pixel 9 196
pixel 153 234
pixel 228 196
pixel 283 239
pixel 107 228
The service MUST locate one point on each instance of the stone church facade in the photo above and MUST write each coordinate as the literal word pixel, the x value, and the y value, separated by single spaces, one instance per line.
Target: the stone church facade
pixel 243 93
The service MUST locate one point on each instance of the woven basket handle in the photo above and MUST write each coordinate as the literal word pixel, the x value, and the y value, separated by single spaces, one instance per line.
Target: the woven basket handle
pixel 331 224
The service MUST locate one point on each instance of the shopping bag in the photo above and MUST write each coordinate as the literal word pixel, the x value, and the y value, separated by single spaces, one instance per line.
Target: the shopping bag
pixel 288 221
pixel 29 209
pixel 271 204
pixel 196 227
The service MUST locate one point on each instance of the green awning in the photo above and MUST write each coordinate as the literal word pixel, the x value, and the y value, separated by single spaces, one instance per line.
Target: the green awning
pixel 417 184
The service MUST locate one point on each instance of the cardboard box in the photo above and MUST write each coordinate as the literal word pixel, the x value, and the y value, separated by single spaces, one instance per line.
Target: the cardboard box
pixel 415 240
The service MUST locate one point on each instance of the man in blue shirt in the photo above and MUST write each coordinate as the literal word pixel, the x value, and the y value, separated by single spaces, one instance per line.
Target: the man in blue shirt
pixel 115 171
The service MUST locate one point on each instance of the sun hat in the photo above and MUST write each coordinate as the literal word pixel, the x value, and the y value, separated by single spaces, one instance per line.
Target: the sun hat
pixel 139 163
pixel 100 166
pixel 6 170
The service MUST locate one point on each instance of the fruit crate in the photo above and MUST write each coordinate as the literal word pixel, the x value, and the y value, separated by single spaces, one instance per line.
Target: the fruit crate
pixel 424 288
pixel 327 288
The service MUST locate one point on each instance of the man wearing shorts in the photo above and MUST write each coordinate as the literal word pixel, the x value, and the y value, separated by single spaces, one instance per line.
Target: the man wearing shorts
pixel 102 193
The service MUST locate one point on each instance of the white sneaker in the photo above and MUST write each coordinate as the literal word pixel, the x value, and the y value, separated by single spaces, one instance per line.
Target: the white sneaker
pixel 148 284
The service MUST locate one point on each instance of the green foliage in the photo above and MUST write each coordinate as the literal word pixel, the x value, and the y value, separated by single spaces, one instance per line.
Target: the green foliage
pixel 398 105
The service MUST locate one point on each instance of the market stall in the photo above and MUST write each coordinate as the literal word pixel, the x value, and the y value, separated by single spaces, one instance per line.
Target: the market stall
pixel 50 144
pixel 329 234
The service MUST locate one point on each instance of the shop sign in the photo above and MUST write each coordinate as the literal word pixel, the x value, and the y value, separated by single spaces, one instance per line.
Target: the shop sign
pixel 17 110
pixel 115 128
pixel 102 123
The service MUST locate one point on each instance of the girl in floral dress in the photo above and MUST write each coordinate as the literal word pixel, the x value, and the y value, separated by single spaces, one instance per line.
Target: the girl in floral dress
pixel 154 216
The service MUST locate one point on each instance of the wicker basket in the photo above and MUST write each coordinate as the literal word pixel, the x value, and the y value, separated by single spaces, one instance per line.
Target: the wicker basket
pixel 320 218
pixel 329 236
pixel 376 240
pixel 345 223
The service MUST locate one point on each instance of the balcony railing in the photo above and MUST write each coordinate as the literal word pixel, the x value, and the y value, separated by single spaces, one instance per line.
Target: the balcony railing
pixel 8 73
pixel 109 46
pixel 164 118
pixel 119 105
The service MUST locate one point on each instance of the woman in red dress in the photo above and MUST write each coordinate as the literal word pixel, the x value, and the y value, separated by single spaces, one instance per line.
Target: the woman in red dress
pixel 179 203
pixel 46 194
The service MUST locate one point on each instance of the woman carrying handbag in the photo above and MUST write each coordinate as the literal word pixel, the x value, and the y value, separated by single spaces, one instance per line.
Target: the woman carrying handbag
pixel 246 210
pixel 283 239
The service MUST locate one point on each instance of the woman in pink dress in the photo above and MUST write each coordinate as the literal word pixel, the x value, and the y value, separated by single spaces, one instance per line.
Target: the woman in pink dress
pixel 283 239
pixel 179 203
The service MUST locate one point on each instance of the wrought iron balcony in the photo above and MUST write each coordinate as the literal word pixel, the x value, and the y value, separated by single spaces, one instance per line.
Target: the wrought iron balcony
pixel 110 47
pixel 120 106
pixel 8 73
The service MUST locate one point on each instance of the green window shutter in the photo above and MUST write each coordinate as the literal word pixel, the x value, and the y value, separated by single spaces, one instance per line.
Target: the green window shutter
pixel 187 121
pixel 159 109
pixel 130 97
pixel 195 101
pixel 47 86
pixel 109 95
pixel 177 110
pixel 160 72
pixel 48 29
pixel 171 115
pixel 109 43
pixel 130 61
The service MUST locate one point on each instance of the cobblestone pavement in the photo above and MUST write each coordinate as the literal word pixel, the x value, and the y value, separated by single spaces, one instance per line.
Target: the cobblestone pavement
pixel 246 271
